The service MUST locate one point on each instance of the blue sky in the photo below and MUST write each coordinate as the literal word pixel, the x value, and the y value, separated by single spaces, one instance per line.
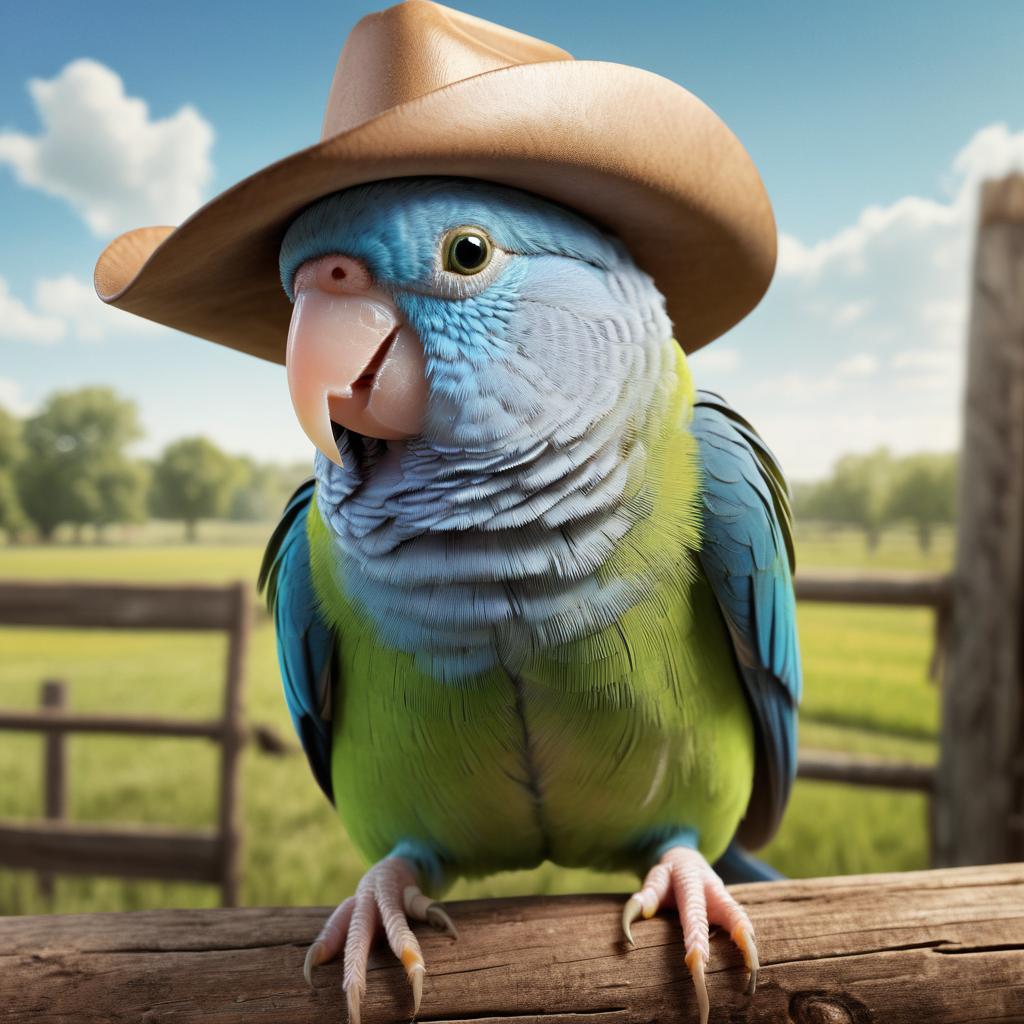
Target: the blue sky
pixel 870 123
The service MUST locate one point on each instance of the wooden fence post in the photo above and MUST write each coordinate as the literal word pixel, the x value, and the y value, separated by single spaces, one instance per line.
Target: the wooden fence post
pixel 980 802
pixel 53 695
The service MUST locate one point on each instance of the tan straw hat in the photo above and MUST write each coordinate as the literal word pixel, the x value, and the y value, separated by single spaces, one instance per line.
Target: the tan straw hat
pixel 423 89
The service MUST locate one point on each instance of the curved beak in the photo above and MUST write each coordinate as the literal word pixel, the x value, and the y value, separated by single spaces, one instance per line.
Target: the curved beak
pixel 352 361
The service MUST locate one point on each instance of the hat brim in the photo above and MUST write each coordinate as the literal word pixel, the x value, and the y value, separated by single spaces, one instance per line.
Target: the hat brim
pixel 630 150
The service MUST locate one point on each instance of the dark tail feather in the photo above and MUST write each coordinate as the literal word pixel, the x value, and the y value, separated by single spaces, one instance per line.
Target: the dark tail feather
pixel 736 865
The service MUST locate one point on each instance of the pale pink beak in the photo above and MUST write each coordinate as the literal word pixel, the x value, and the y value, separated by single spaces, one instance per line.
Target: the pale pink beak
pixel 351 358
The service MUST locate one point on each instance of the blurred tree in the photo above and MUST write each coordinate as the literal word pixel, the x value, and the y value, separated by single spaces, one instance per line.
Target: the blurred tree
pixel 123 493
pixel 12 451
pixel 806 499
pixel 72 446
pixel 856 494
pixel 263 489
pixel 924 492
pixel 255 493
pixel 193 479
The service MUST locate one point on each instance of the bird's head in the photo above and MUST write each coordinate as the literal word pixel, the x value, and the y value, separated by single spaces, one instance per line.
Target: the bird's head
pixel 473 315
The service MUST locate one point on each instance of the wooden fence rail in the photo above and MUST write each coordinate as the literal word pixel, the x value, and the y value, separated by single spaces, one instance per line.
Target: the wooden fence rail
pixel 830 766
pixel 930 946
pixel 197 607
pixel 927 590
pixel 75 605
pixel 63 721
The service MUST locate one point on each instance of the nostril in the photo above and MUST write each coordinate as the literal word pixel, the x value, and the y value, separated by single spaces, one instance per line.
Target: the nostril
pixel 342 274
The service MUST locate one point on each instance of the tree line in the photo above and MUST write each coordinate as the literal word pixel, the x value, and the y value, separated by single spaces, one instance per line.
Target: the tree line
pixel 68 465
pixel 879 489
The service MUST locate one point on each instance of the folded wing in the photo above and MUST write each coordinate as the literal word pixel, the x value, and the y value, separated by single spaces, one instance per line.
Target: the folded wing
pixel 305 644
pixel 747 555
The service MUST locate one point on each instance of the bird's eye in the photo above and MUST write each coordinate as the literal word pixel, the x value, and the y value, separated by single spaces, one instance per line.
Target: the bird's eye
pixel 467 251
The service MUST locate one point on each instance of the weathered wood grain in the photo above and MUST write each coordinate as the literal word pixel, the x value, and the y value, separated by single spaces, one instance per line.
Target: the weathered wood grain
pixel 979 808
pixel 936 946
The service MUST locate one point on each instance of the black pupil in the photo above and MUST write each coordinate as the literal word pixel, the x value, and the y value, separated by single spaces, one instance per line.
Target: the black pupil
pixel 470 251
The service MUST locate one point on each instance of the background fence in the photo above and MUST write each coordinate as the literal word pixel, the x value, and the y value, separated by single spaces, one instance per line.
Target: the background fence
pixel 56 845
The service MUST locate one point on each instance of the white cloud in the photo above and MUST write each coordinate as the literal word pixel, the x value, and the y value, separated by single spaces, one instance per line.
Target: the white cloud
pixel 849 313
pixel 19 323
pixel 863 332
pixel 11 398
pixel 102 152
pixel 836 431
pixel 923 359
pixel 717 360
pixel 87 316
pixel 863 364
pixel 993 152
pixel 64 307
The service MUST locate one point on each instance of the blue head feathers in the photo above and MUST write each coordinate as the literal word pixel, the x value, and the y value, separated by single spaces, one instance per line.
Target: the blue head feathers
pixel 537 344
pixel 540 369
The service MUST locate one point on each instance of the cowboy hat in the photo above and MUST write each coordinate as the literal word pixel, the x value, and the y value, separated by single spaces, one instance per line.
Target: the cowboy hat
pixel 421 89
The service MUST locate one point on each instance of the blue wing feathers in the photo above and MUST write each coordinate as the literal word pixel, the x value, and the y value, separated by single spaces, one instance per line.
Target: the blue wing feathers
pixel 747 556
pixel 305 645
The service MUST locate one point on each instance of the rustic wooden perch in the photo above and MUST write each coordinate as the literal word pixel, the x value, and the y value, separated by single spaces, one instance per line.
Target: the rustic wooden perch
pixel 928 946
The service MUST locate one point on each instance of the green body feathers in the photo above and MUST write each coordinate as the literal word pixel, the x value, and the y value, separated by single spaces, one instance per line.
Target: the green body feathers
pixel 593 751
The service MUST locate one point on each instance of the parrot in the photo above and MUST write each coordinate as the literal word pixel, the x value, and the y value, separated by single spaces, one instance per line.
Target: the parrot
pixel 536 601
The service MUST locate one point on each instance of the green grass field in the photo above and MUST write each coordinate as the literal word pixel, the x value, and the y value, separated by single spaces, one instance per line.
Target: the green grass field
pixel 867 691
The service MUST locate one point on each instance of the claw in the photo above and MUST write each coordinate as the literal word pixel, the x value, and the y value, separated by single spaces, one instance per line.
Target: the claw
pixel 438 917
pixel 314 958
pixel 702 900
pixel 412 961
pixel 745 940
pixel 425 909
pixel 630 912
pixel 352 997
pixel 378 905
pixel 416 979
pixel 695 961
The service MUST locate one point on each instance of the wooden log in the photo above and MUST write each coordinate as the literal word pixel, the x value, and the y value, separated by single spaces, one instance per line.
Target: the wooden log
pixel 136 852
pixel 898 588
pixel 979 811
pixel 54 697
pixel 933 946
pixel 75 605
pixel 830 766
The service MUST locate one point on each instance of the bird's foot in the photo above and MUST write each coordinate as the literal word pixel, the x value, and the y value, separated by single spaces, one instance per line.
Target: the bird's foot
pixel 387 895
pixel 701 898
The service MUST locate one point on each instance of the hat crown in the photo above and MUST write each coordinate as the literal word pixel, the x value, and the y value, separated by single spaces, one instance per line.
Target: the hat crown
pixel 414 48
